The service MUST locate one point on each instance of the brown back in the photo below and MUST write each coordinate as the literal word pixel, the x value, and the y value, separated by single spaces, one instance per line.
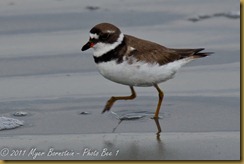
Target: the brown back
pixel 154 53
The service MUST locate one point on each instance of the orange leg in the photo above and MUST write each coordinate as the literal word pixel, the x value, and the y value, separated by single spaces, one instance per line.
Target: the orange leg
pixel 112 100
pixel 158 127
pixel 160 99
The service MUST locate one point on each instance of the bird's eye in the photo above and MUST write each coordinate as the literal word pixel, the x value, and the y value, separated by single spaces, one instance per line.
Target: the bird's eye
pixel 104 36
pixel 92 39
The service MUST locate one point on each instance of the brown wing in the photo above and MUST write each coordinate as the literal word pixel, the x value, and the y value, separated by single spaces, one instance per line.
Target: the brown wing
pixel 154 53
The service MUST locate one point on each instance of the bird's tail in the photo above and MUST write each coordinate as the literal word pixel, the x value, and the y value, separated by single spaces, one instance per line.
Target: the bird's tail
pixel 194 53
pixel 199 54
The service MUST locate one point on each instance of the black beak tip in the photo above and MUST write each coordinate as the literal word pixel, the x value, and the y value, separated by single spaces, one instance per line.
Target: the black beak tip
pixel 82 49
pixel 86 46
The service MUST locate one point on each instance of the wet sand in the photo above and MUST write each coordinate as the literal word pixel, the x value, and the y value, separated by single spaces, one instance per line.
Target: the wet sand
pixel 125 146
pixel 43 73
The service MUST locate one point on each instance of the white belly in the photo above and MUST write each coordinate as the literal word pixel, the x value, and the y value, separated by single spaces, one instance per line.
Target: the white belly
pixel 139 73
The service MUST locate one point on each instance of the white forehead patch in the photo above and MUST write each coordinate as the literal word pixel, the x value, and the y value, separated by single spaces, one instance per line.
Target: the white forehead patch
pixel 94 36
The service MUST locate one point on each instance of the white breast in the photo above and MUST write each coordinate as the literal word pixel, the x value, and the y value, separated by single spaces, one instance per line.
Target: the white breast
pixel 140 73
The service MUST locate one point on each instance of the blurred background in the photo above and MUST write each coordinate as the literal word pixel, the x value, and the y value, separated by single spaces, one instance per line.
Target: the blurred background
pixel 45 37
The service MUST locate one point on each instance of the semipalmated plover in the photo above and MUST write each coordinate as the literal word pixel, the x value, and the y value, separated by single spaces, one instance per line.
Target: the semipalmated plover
pixel 131 61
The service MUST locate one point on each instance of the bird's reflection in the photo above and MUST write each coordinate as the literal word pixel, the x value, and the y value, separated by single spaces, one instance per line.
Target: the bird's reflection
pixel 117 126
pixel 133 117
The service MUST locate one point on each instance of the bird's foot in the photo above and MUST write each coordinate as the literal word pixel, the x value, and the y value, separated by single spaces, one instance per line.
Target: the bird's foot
pixel 158 127
pixel 106 109
pixel 109 104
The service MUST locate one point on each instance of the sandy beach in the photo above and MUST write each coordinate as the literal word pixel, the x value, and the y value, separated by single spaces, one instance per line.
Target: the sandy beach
pixel 55 92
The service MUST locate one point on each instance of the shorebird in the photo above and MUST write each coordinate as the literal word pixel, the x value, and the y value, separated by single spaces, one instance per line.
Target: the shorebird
pixel 132 61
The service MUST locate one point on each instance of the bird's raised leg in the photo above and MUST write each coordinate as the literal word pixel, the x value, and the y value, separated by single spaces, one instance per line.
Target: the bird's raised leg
pixel 160 99
pixel 111 101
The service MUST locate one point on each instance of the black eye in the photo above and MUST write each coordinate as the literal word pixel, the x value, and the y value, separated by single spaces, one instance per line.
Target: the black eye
pixel 92 39
pixel 104 36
